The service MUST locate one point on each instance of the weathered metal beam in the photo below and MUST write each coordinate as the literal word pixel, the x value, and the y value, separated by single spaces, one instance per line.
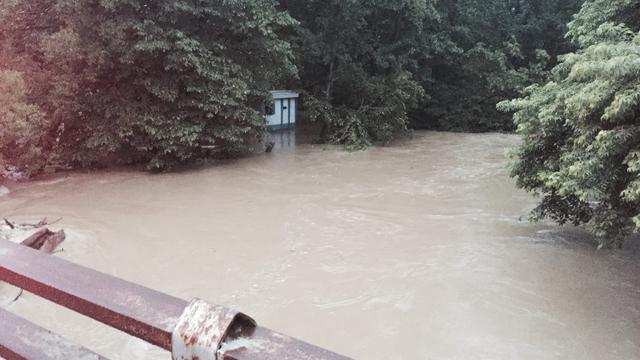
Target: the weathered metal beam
pixel 139 311
pixel 265 344
pixel 23 340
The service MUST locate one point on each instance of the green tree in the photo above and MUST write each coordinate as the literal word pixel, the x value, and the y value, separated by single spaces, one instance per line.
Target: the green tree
pixel 356 61
pixel 581 133
pixel 21 124
pixel 155 82
pixel 499 47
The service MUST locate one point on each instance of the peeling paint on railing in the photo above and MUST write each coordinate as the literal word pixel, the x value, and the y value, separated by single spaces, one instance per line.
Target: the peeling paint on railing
pixel 203 327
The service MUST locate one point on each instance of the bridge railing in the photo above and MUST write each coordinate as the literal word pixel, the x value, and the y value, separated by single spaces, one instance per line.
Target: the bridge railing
pixel 189 330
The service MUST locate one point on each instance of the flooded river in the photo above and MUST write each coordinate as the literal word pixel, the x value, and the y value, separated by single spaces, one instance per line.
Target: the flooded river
pixel 415 251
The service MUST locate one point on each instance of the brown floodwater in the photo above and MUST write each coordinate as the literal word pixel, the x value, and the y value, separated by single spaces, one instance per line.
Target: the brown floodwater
pixel 413 251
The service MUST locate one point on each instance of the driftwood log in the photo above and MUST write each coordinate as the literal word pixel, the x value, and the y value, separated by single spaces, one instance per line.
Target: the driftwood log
pixel 45 240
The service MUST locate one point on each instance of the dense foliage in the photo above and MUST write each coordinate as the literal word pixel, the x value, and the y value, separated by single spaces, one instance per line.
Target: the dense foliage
pixel 498 48
pixel 581 131
pixel 356 60
pixel 101 82
pixel 135 81
pixel 22 123
pixel 372 68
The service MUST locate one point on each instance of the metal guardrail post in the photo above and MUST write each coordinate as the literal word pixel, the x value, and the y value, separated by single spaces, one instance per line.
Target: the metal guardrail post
pixel 203 327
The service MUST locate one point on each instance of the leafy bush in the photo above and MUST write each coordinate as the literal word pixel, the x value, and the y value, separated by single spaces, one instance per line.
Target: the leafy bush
pixel 21 126
pixel 581 131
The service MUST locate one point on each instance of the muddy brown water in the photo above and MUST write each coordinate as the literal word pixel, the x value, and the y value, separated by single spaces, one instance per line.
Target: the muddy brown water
pixel 414 251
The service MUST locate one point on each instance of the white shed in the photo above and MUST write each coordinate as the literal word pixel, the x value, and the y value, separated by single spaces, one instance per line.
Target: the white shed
pixel 281 113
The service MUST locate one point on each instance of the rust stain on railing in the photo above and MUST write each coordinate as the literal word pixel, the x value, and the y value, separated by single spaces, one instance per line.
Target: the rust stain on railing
pixel 203 327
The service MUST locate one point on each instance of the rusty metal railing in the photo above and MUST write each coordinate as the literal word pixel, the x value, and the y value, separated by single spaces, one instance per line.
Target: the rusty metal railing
pixel 193 330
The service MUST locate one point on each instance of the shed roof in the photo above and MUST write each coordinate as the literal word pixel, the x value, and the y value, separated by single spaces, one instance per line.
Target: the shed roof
pixel 284 94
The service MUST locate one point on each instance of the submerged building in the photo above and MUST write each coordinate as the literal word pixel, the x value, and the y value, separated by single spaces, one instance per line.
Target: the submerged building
pixel 281 112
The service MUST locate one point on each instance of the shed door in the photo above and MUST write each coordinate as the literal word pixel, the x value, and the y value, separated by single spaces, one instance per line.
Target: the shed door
pixel 286 114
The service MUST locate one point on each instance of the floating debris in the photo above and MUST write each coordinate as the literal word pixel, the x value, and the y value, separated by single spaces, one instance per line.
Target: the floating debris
pixel 36 236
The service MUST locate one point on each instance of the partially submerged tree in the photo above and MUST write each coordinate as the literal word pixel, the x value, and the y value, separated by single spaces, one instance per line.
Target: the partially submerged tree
pixel 581 131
